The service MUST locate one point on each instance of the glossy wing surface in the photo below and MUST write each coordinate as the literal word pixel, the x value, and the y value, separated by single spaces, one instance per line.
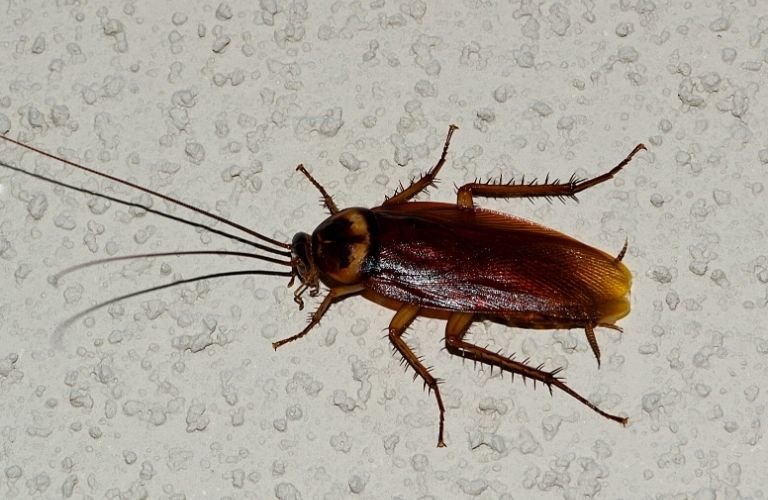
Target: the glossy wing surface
pixel 443 257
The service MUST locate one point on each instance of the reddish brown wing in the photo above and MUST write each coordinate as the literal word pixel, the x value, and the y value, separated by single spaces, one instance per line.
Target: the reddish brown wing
pixel 440 256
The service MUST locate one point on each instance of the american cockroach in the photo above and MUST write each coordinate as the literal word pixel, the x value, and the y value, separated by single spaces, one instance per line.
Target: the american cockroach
pixel 448 261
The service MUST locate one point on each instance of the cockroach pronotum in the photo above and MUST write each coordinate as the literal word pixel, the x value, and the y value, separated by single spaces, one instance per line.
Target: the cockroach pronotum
pixel 448 261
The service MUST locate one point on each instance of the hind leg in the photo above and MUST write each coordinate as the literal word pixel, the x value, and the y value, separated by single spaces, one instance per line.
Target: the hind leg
pixel 546 190
pixel 457 327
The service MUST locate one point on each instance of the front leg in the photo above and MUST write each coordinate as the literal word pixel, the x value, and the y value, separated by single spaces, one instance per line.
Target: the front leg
pixel 327 199
pixel 333 294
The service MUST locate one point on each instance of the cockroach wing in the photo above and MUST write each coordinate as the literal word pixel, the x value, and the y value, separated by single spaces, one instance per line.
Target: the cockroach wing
pixel 443 257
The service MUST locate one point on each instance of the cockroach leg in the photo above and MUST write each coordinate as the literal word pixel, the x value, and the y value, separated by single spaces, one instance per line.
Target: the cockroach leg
pixel 622 252
pixel 425 180
pixel 590 331
pixel 400 322
pixel 333 295
pixel 612 327
pixel 298 293
pixel 546 190
pixel 456 345
pixel 329 203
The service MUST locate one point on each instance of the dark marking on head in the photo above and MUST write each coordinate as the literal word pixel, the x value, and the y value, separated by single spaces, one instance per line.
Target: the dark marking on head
pixel 342 243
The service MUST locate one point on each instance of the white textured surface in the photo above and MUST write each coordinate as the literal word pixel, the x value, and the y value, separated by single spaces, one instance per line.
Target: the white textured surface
pixel 363 92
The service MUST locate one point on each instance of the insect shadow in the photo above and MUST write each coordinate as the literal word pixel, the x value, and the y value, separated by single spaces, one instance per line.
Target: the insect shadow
pixel 451 261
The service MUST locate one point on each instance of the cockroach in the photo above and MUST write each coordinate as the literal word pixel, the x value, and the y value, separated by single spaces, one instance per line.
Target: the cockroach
pixel 451 261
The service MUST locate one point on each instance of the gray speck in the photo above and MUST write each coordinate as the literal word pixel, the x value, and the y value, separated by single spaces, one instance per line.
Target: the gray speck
pixel 38 46
pixel 720 24
pixel 221 43
pixel 224 12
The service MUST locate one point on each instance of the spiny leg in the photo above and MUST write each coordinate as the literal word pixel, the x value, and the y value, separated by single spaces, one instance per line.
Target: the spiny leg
pixel 329 203
pixel 426 180
pixel 458 324
pixel 570 188
pixel 314 319
pixel 622 252
pixel 590 331
pixel 403 318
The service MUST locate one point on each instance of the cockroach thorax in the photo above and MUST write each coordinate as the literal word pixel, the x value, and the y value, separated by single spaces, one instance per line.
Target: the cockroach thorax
pixel 342 243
